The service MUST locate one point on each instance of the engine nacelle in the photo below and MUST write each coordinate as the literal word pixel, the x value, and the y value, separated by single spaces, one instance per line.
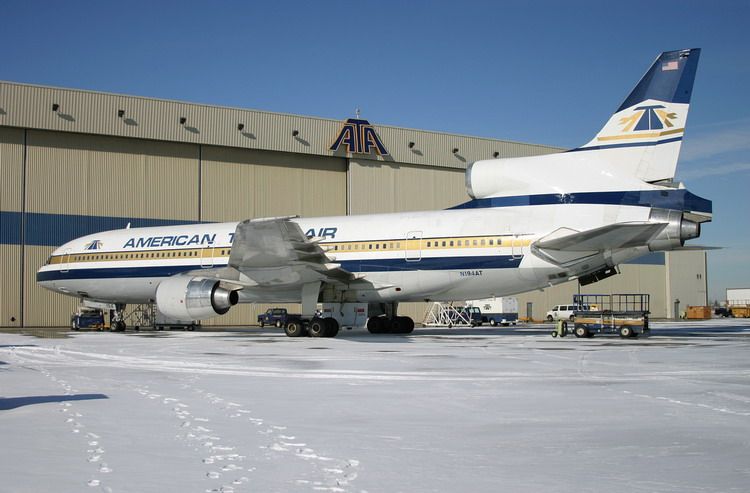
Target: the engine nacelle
pixel 678 230
pixel 194 298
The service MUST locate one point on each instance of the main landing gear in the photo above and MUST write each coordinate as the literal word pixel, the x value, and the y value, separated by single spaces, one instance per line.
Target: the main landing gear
pixel 316 327
pixel 117 319
pixel 393 325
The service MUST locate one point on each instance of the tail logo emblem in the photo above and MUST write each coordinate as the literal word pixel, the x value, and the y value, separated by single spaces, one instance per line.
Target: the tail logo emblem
pixel 653 117
pixel 94 245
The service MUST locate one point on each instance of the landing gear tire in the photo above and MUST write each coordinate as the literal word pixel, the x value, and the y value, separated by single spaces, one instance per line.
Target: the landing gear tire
pixel 581 332
pixel 553 333
pixel 294 329
pixel 376 325
pixel 402 325
pixel 332 327
pixel 626 331
pixel 407 325
pixel 318 327
pixel 118 326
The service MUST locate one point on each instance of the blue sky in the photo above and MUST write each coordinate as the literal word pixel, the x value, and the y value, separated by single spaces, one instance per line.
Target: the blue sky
pixel 542 72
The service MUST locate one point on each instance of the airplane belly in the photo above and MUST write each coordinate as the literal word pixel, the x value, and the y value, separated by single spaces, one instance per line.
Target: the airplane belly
pixel 125 290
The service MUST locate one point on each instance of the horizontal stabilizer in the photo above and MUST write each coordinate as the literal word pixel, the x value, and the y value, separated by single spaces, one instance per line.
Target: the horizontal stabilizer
pixel 693 248
pixel 622 235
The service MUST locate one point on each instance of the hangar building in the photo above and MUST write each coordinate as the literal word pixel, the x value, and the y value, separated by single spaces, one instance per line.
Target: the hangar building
pixel 75 162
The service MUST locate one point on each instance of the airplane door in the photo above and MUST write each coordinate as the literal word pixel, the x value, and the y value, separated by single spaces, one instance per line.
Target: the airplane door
pixel 207 258
pixel 516 245
pixel 413 250
pixel 65 261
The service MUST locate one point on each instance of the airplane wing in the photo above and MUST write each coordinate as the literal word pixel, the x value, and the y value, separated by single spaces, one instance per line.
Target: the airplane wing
pixel 276 252
pixel 566 246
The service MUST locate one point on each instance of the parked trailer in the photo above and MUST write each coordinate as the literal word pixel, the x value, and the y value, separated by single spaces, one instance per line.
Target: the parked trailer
pixel 623 314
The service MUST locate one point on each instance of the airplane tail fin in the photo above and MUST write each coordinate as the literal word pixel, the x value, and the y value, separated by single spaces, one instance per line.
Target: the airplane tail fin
pixel 643 137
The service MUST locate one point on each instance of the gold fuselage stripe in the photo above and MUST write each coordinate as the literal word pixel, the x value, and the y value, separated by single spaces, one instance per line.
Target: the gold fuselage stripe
pixel 424 244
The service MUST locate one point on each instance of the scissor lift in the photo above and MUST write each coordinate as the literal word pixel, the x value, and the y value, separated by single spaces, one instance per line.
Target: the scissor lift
pixel 623 314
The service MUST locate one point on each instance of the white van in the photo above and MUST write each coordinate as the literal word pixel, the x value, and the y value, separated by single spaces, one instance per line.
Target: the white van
pixel 563 312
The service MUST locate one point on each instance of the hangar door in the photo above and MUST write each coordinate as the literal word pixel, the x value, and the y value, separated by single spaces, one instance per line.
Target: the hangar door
pixel 238 184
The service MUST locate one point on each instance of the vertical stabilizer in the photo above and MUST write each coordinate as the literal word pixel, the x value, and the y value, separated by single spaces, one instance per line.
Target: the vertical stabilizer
pixel 644 135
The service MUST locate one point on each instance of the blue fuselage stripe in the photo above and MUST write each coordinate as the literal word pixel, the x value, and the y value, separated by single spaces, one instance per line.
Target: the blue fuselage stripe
pixel 680 200
pixel 357 266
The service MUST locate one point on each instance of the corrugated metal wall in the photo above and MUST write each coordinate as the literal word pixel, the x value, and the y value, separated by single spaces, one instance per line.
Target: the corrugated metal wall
pixel 395 187
pixel 11 200
pixel 110 176
pixel 10 285
pixel 241 184
pixel 687 280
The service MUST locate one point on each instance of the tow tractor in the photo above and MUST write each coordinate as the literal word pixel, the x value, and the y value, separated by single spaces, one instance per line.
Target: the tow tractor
pixel 623 314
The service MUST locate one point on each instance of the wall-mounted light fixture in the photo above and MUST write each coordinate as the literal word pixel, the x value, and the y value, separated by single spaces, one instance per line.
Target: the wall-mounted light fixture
pixel 240 127
pixel 295 133
pixel 455 150
pixel 495 154
pixel 120 113
pixel 55 107
pixel 183 120
pixel 411 145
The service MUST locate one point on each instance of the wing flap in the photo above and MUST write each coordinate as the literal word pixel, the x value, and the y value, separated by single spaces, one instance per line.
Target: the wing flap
pixel 276 251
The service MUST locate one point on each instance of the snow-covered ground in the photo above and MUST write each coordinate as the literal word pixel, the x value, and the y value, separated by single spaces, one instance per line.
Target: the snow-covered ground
pixel 441 410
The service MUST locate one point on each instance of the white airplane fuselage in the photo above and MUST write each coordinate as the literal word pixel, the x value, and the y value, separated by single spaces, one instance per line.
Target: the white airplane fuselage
pixel 436 255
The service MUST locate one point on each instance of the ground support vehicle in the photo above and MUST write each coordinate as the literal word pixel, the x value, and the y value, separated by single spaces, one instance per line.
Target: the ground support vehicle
pixel 278 317
pixel 505 319
pixel 87 318
pixel 564 312
pixel 497 311
pixel 623 314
